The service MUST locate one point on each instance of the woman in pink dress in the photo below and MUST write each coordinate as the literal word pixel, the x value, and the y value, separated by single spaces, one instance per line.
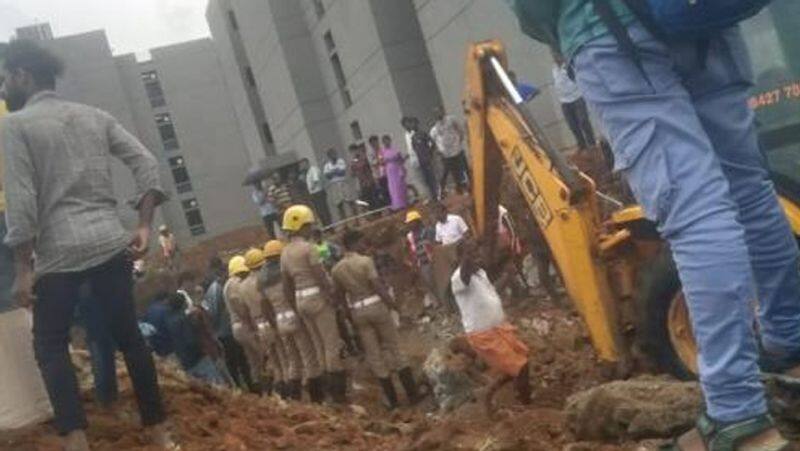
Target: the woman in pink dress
pixel 394 165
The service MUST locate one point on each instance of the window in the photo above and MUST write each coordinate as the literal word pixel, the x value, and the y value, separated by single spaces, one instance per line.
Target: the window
pixel 329 44
pixel 267 133
pixel 338 71
pixel 194 219
pixel 355 129
pixel 153 88
pixel 248 75
pixel 183 183
pixel 347 99
pixel 319 8
pixel 167 131
pixel 341 80
pixel 232 19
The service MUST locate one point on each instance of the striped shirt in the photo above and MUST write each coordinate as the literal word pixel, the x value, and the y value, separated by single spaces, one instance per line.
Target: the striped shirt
pixel 58 183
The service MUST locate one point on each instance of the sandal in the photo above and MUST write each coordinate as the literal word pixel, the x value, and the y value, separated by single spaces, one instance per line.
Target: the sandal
pixel 756 434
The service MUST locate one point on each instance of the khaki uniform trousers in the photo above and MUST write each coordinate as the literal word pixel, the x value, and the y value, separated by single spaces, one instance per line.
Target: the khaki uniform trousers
pixel 274 350
pixel 319 318
pixel 301 359
pixel 380 339
pixel 252 349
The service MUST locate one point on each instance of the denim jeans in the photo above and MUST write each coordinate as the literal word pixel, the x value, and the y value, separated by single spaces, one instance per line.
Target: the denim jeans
pixel 6 270
pixel 101 349
pixel 206 370
pixel 57 296
pixel 686 140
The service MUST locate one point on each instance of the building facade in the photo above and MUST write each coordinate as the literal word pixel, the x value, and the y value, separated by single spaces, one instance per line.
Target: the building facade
pixel 177 104
pixel 327 73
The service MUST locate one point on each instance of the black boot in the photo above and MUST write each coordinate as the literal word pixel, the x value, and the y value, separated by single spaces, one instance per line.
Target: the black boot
pixel 337 386
pixel 316 390
pixel 409 385
pixel 294 390
pixel 389 392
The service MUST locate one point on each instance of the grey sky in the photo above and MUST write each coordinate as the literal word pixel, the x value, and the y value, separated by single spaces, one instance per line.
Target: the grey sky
pixel 131 25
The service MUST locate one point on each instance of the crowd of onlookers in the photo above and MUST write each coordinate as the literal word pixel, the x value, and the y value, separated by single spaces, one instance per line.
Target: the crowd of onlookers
pixel 374 175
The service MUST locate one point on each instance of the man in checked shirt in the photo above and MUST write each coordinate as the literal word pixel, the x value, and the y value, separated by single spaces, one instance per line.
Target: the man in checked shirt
pixel 61 206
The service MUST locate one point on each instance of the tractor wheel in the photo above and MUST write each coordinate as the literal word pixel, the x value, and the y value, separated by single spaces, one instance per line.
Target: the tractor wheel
pixel 664 329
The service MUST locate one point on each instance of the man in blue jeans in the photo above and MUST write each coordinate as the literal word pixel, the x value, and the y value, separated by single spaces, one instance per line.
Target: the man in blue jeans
pixel 61 205
pixel 684 137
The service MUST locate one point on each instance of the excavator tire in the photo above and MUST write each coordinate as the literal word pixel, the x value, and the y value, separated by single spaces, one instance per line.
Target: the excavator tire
pixel 659 291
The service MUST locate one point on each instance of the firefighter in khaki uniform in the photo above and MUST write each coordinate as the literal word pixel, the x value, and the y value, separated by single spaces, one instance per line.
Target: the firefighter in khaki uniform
pixel 245 330
pixel 306 285
pixel 301 360
pixel 263 318
pixel 356 278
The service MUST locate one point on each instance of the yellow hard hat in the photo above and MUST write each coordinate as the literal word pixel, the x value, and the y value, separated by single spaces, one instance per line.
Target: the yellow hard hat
pixel 237 266
pixel 296 217
pixel 412 216
pixel 254 258
pixel 273 248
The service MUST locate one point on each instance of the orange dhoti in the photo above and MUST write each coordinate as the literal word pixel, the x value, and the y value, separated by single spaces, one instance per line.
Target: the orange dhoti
pixel 501 349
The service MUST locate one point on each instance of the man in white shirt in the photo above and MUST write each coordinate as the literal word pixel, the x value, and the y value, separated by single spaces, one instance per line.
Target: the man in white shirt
pixel 492 338
pixel 449 137
pixel 572 104
pixel 450 228
pixel 335 172
pixel 316 189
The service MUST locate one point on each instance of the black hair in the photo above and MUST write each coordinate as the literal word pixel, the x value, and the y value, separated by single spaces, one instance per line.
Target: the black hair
pixel 374 138
pixel 385 137
pixel 351 239
pixel 44 67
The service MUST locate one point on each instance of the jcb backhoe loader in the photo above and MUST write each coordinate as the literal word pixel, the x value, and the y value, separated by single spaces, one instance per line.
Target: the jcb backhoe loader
pixel 617 270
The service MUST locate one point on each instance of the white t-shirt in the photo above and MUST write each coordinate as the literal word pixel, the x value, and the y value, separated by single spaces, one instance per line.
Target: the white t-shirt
pixel 335 173
pixel 478 302
pixel 313 180
pixel 446 134
pixel 451 231
pixel 566 89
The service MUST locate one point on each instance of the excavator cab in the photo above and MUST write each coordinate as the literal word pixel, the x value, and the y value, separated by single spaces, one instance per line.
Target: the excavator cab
pixel 616 269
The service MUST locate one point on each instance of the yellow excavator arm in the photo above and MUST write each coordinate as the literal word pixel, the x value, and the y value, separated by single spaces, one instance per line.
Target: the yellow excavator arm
pixel 562 200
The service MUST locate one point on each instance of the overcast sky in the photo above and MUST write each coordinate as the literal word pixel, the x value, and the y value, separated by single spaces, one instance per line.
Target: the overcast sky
pixel 131 25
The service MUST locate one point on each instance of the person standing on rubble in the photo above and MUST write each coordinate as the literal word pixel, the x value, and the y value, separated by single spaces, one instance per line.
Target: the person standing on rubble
pixel 306 285
pixel 301 361
pixel 489 333
pixel 214 304
pixel 358 286
pixel 245 329
pixel 677 116
pixel 236 269
pixel 262 317
pixel 419 245
pixel 61 206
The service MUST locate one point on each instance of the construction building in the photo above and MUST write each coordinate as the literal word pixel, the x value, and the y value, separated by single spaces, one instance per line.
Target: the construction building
pixel 326 74
pixel 177 104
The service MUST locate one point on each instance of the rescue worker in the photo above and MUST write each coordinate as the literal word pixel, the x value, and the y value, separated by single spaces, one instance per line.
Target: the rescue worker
pixel 358 286
pixel 262 317
pixel 245 330
pixel 419 243
pixel 301 361
pixel 306 285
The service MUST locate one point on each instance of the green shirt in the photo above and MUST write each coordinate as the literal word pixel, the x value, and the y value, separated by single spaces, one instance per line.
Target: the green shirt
pixel 565 24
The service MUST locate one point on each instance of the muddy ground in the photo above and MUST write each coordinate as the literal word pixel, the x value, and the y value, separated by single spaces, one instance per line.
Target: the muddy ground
pixel 204 419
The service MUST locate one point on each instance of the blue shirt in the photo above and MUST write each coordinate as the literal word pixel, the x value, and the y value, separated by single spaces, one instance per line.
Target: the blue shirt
pixel 214 303
pixel 157 315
